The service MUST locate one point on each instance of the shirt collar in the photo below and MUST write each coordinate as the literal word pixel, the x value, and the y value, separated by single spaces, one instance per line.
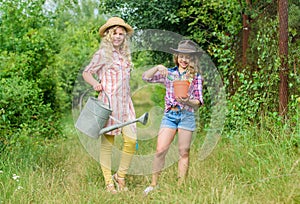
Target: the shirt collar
pixel 174 69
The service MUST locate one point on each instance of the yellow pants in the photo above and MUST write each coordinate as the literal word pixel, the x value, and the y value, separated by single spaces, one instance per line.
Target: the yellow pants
pixel 107 142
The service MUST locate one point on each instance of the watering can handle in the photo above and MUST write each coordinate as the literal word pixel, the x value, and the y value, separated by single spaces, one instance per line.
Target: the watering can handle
pixel 84 93
pixel 107 98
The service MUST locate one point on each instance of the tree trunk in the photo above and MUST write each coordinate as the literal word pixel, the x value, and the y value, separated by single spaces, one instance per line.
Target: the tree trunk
pixel 246 31
pixel 283 54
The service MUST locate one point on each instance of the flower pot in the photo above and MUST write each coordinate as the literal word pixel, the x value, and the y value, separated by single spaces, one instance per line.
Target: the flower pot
pixel 181 88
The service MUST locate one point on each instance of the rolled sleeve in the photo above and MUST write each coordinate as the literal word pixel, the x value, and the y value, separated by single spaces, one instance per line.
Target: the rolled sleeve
pixel 96 63
pixel 197 93
pixel 157 78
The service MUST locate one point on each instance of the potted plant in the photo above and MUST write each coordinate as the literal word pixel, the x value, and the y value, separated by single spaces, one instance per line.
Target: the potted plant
pixel 182 83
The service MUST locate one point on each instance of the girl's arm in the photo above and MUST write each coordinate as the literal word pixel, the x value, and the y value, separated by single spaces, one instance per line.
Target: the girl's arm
pixel 88 77
pixel 151 72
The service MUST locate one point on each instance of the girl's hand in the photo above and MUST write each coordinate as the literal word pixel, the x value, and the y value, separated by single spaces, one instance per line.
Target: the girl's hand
pixel 162 69
pixel 188 101
pixel 183 100
pixel 98 87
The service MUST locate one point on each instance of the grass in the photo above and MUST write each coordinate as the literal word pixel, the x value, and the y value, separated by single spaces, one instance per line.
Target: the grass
pixel 250 168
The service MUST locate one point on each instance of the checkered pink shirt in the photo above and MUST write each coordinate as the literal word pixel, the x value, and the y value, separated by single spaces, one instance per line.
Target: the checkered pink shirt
pixel 115 82
pixel 195 90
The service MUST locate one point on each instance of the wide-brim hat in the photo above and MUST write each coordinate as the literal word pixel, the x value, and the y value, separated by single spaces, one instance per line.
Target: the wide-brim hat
pixel 115 21
pixel 187 47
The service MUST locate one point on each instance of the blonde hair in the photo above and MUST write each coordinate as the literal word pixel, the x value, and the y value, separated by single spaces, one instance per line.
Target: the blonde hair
pixel 107 46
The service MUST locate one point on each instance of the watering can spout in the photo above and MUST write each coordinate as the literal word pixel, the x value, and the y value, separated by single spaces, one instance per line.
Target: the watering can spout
pixel 143 119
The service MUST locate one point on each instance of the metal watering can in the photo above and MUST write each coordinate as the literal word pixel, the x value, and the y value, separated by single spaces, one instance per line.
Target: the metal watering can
pixel 95 114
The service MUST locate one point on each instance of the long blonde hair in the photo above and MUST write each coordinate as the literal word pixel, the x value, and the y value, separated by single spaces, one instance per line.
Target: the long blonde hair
pixel 107 46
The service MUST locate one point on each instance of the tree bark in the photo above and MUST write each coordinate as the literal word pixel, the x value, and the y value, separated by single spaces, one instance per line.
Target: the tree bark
pixel 283 54
pixel 245 39
pixel 246 31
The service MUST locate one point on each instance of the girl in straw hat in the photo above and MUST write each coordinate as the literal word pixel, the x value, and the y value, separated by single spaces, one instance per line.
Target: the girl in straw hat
pixel 179 110
pixel 112 65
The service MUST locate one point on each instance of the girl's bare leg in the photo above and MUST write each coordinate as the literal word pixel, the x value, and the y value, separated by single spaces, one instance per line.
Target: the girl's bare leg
pixel 165 138
pixel 184 143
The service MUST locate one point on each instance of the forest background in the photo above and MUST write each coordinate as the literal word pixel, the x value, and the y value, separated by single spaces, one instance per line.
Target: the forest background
pixel 45 44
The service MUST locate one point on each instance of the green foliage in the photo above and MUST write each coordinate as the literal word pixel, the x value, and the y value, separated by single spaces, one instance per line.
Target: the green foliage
pixel 76 48
pixel 17 19
pixel 29 107
pixel 24 116
pixel 208 22
pixel 217 27
pixel 46 49
pixel 29 45
pixel 158 96
pixel 257 91
pixel 156 14
pixel 256 95
pixel 294 53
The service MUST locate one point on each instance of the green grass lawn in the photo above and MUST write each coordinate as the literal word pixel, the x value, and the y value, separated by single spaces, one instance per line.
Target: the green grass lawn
pixel 253 167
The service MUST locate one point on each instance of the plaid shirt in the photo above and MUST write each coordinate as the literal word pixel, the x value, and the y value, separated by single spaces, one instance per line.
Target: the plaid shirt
pixel 115 82
pixel 195 89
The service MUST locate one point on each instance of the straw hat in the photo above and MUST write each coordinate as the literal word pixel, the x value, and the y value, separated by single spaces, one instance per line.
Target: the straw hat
pixel 115 21
pixel 187 47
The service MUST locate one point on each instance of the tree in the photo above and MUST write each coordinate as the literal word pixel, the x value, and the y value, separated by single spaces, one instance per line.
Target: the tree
pixel 246 32
pixel 283 54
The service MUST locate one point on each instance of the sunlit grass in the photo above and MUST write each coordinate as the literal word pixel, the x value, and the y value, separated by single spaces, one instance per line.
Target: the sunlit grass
pixel 250 167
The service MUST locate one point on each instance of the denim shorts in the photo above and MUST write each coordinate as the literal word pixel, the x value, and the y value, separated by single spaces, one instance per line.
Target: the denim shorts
pixel 179 119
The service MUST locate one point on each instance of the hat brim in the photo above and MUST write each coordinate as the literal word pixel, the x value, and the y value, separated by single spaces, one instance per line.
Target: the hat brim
pixel 186 51
pixel 106 26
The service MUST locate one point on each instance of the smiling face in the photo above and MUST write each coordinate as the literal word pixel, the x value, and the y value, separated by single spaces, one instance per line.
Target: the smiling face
pixel 183 60
pixel 118 37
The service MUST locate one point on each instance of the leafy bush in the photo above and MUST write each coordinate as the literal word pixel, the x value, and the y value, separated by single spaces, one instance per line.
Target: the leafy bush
pixel 24 115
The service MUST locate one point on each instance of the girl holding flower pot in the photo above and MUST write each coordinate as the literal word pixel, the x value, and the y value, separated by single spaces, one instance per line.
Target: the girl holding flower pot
pixel 179 109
